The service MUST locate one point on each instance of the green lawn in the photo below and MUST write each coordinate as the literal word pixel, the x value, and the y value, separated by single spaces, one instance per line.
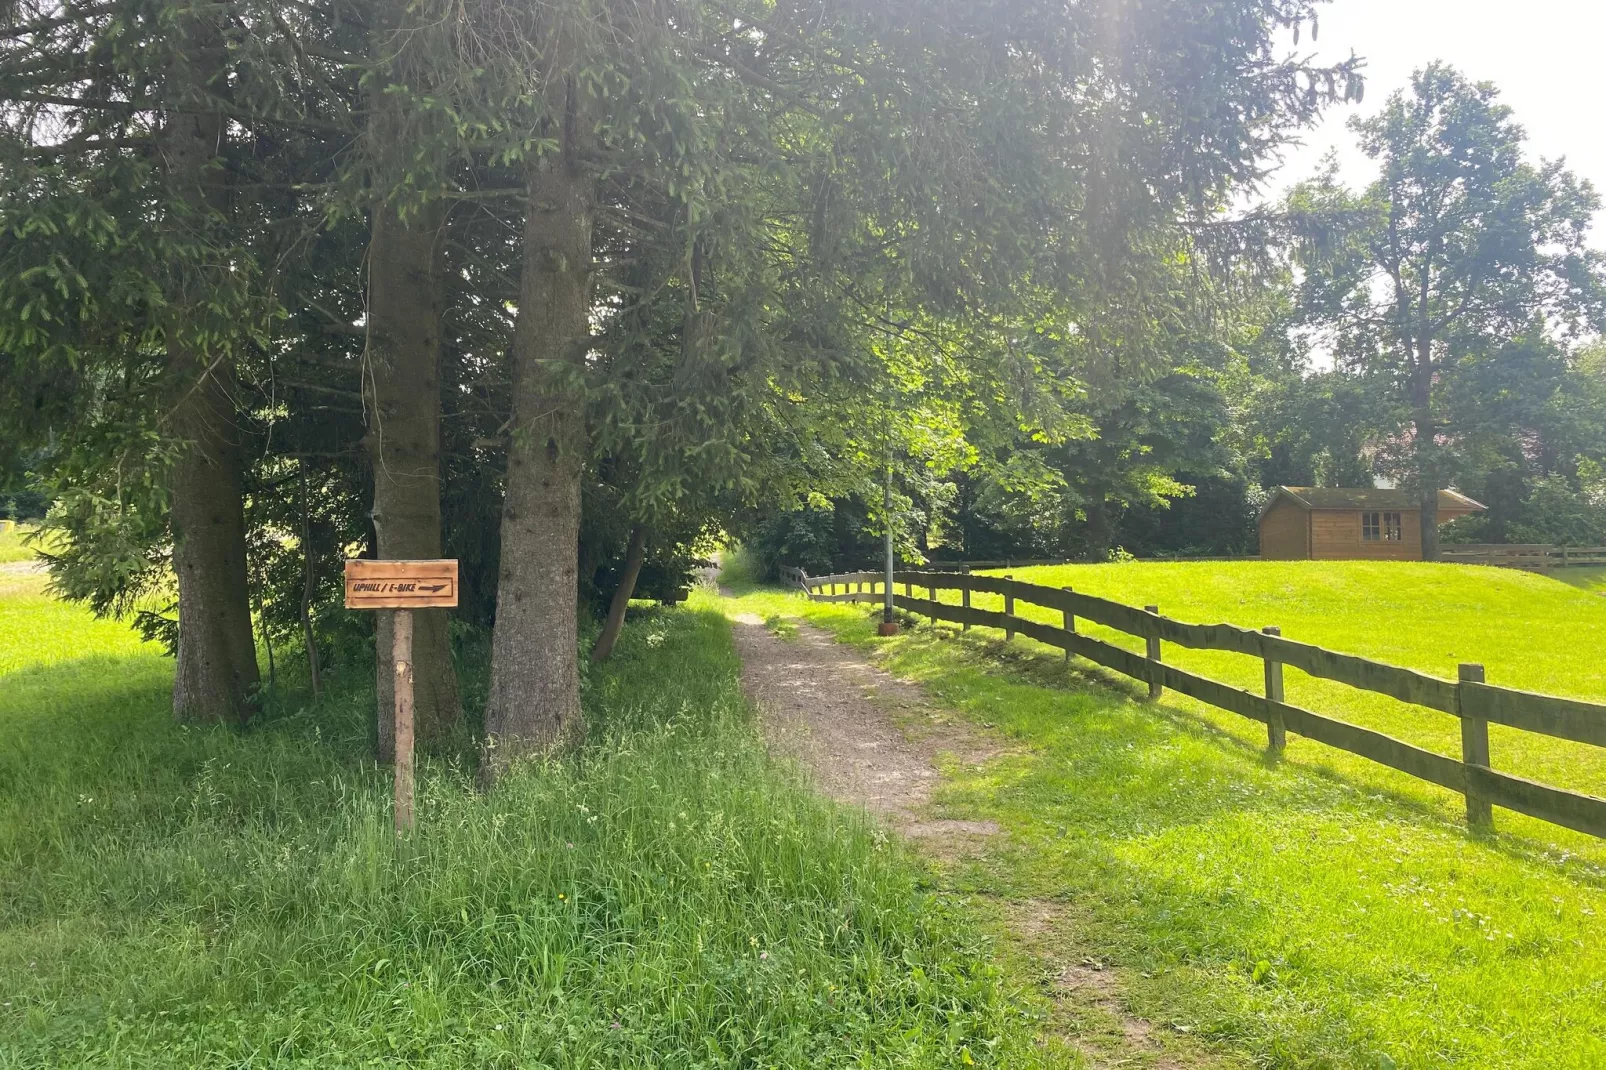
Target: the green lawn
pixel 14 545
pixel 1528 631
pixel 1589 579
pixel 1318 912
pixel 669 898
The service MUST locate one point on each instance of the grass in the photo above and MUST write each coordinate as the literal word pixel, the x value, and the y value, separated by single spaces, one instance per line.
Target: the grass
pixel 1527 631
pixel 1308 913
pixel 1588 579
pixel 14 545
pixel 667 897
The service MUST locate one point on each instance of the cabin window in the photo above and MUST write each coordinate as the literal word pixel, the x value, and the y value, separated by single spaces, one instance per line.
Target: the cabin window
pixel 1380 527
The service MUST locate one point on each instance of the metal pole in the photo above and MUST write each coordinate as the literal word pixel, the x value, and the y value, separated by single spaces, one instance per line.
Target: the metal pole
pixel 886 512
pixel 402 656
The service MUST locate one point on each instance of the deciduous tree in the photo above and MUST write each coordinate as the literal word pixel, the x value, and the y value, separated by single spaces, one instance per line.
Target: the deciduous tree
pixel 1461 247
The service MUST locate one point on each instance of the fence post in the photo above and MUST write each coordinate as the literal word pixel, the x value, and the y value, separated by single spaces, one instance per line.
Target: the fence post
pixel 1070 626
pixel 1276 731
pixel 1009 611
pixel 1152 643
pixel 964 600
pixel 1474 746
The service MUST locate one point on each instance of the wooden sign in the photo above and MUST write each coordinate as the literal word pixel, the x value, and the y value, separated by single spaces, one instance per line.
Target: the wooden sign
pixel 401 586
pixel 374 584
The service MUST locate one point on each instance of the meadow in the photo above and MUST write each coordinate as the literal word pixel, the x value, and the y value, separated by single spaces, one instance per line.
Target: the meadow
pixel 1314 912
pixel 666 897
pixel 16 545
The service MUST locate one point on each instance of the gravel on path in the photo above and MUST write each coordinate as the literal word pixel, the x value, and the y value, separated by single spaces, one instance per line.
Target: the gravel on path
pixel 866 737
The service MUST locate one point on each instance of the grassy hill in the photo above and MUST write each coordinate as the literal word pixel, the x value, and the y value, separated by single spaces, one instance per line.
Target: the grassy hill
pixel 1528 631
pixel 1317 912
pixel 183 897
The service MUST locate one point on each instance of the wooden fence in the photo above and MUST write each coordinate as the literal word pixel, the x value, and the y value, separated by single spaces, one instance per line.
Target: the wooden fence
pixel 793 577
pixel 1535 557
pixel 1469 698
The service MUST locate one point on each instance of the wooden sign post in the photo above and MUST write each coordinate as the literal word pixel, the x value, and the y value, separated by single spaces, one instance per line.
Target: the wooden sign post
pixel 401 587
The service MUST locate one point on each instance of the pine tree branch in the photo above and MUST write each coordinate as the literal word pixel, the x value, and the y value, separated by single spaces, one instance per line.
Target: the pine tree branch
pixel 67 18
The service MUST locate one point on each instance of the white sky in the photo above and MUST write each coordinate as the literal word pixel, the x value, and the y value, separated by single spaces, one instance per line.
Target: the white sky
pixel 1548 58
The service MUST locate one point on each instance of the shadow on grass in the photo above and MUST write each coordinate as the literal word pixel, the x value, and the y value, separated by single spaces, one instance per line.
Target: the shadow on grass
pixel 1015 661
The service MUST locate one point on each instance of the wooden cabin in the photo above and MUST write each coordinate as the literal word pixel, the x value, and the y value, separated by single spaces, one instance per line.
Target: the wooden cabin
pixel 1336 523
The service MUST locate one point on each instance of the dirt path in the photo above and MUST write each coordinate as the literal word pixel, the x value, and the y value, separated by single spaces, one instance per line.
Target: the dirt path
pixel 870 739
pixel 867 737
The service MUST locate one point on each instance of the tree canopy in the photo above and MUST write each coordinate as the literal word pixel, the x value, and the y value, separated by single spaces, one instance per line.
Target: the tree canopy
pixel 569 290
pixel 1461 270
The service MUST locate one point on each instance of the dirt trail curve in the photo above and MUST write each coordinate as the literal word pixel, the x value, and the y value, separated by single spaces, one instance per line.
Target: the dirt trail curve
pixel 870 739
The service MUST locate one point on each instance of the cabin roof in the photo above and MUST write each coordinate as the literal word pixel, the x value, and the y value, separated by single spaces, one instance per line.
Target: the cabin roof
pixel 1368 498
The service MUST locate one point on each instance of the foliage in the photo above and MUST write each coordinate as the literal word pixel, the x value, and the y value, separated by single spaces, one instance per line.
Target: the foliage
pixel 1462 266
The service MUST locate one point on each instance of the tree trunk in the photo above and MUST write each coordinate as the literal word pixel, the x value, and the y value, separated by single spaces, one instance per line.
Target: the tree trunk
pixel 1429 496
pixel 405 296
pixel 534 701
pixel 621 595
pixel 309 590
pixel 217 672
pixel 1425 441
pixel 216 675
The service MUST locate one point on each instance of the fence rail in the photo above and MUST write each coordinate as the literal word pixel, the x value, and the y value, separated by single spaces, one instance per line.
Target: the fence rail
pixel 1534 557
pixel 794 577
pixel 1469 698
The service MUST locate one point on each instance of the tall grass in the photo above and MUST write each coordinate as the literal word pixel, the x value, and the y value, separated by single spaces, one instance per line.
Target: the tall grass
pixel 667 897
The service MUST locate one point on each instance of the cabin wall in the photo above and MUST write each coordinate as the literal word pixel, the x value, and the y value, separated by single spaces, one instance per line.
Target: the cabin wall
pixel 1283 534
pixel 1336 535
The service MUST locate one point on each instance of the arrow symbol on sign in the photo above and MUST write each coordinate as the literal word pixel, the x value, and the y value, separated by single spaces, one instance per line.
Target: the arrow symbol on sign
pixel 430 589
